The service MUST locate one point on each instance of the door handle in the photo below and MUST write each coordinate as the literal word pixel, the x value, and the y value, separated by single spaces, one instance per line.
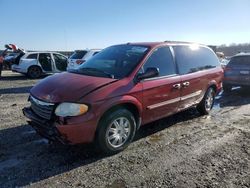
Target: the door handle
pixel 185 84
pixel 177 86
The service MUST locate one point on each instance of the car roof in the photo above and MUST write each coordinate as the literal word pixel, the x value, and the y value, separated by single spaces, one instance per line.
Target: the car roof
pixel 88 50
pixel 32 52
pixel 242 54
pixel 40 52
pixel 155 44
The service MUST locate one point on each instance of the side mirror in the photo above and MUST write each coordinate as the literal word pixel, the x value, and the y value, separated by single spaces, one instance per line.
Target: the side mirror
pixel 149 73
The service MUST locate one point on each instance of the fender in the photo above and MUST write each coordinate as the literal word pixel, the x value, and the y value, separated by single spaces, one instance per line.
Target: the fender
pixel 126 99
pixel 218 86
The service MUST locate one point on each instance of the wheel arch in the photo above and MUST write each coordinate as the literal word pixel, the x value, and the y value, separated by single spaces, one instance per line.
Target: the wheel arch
pixel 34 66
pixel 28 70
pixel 212 84
pixel 131 106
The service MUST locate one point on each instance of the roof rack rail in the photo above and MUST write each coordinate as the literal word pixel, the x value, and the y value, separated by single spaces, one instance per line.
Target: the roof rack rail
pixel 171 41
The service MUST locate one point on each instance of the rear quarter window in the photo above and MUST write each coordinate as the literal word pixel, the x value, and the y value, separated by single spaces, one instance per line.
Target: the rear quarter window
pixel 32 56
pixel 192 59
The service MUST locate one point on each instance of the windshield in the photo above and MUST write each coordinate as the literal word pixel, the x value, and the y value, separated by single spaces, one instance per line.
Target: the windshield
pixel 78 54
pixel 114 62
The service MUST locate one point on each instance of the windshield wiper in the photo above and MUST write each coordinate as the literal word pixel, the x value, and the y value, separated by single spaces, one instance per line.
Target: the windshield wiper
pixel 89 69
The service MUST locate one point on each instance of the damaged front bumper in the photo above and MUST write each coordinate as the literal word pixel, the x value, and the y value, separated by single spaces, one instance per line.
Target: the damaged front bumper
pixel 43 127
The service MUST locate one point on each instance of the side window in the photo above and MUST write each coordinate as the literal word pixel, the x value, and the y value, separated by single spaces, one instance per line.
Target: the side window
pixel 190 59
pixel 162 59
pixel 95 53
pixel 32 56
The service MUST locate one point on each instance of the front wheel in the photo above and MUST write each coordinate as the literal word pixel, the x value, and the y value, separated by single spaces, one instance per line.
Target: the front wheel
pixel 205 106
pixel 116 131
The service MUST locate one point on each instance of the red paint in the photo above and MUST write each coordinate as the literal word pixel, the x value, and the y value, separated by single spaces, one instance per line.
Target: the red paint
pixel 67 87
pixel 101 94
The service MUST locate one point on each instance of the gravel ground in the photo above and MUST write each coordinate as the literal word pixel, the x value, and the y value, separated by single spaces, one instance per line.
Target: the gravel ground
pixel 184 150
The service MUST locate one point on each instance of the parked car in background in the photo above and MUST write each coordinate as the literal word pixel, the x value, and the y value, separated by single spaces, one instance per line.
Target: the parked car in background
pixel 125 86
pixel 9 60
pixel 80 56
pixel 34 64
pixel 237 72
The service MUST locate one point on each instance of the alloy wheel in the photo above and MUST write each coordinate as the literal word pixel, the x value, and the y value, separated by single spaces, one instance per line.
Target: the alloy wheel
pixel 118 132
pixel 209 101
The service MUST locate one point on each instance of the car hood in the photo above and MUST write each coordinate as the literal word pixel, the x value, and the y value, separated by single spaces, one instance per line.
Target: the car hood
pixel 67 87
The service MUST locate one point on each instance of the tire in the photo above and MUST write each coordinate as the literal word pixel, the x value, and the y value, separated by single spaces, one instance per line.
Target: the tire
pixel 34 72
pixel 206 105
pixel 227 88
pixel 115 131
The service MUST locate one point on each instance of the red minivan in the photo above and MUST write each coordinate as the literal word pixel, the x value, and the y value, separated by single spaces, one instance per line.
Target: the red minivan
pixel 122 88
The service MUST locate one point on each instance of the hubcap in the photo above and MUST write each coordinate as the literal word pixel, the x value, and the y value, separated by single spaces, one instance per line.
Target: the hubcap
pixel 118 132
pixel 209 100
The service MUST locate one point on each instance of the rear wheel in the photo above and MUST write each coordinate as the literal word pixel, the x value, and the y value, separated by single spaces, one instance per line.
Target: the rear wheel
pixel 205 106
pixel 116 131
pixel 34 72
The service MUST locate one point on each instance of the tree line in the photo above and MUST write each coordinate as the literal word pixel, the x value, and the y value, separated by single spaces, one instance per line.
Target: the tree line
pixel 233 49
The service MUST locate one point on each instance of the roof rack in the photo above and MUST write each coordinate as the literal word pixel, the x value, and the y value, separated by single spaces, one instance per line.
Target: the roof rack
pixel 171 41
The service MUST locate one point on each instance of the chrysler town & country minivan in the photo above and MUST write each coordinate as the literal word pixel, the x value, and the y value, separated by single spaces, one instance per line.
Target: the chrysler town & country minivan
pixel 123 87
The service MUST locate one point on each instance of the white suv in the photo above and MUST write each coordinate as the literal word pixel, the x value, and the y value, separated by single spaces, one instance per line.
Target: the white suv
pixel 34 64
pixel 80 56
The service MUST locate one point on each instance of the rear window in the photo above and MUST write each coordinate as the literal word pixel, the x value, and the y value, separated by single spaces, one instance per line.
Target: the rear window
pixel 240 61
pixel 194 58
pixel 78 54
pixel 32 56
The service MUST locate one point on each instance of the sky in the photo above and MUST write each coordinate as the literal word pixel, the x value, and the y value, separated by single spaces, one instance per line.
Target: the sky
pixel 79 24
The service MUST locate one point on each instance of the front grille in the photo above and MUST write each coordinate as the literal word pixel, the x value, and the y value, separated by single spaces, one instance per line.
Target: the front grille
pixel 42 109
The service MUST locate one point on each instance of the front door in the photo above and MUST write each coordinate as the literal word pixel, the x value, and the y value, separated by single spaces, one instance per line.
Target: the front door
pixel 45 61
pixel 161 94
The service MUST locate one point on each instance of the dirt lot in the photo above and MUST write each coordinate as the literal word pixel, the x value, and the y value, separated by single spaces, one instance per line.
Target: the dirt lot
pixel 185 150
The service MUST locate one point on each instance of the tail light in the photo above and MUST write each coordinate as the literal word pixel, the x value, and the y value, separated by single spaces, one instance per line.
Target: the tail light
pixel 79 62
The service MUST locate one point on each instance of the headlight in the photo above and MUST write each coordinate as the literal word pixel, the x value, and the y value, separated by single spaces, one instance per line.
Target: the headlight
pixel 71 109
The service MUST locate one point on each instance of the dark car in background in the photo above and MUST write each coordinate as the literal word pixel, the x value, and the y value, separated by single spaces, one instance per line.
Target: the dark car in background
pixel 121 88
pixel 237 72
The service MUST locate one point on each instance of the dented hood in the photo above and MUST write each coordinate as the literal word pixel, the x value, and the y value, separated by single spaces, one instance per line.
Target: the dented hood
pixel 67 87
